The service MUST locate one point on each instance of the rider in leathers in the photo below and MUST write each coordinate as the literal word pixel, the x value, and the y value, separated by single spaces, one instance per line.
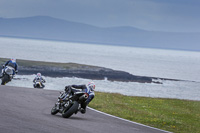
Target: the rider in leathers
pixel 89 88
pixel 12 63
pixel 40 79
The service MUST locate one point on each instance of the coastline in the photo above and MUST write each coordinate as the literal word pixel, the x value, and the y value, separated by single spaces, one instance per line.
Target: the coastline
pixel 27 67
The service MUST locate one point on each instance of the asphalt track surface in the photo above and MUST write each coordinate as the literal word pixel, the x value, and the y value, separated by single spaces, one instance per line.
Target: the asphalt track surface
pixel 27 110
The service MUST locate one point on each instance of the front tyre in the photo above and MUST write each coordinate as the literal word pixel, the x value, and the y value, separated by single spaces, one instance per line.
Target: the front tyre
pixel 54 111
pixel 69 112
pixel 5 79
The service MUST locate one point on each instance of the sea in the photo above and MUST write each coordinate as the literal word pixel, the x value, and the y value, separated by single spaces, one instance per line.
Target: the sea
pixel 172 64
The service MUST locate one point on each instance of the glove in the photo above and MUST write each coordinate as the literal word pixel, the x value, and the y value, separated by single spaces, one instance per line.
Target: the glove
pixel 67 88
pixel 3 66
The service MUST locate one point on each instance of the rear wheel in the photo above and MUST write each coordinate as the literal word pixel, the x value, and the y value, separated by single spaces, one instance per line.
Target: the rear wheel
pixel 69 111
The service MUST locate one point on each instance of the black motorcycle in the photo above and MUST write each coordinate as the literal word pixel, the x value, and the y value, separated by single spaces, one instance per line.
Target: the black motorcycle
pixel 7 75
pixel 69 104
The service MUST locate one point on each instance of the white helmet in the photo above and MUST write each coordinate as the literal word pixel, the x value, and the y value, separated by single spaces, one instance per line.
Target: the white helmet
pixel 39 74
pixel 13 59
pixel 91 85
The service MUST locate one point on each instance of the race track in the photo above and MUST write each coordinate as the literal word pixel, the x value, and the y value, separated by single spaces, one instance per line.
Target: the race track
pixel 27 110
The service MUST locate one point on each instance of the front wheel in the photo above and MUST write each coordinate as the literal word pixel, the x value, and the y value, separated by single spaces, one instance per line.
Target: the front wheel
pixel 5 79
pixel 66 113
pixel 54 110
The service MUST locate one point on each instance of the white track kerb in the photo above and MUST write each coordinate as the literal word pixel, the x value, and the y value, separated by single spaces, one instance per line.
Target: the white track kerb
pixel 127 120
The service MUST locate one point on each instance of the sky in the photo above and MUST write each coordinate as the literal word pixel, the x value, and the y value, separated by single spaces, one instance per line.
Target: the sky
pixel 153 15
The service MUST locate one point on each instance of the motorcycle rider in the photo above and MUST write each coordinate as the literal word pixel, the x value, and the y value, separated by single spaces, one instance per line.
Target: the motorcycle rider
pixel 40 79
pixel 89 88
pixel 11 63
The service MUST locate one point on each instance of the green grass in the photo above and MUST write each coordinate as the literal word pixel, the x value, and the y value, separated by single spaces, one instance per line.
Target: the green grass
pixel 29 63
pixel 180 116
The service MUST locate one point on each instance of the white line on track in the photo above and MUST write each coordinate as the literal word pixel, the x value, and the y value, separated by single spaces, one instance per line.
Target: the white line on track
pixel 128 120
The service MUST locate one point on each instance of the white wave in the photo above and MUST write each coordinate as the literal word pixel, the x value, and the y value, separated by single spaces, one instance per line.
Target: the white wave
pixel 169 89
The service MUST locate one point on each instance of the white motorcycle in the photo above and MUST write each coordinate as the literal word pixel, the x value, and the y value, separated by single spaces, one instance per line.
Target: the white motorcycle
pixel 7 75
pixel 38 84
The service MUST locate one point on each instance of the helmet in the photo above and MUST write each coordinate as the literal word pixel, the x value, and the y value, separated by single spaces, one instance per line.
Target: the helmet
pixel 91 85
pixel 13 59
pixel 39 74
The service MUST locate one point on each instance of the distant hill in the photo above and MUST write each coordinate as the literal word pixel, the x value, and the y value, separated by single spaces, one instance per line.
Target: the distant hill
pixel 43 27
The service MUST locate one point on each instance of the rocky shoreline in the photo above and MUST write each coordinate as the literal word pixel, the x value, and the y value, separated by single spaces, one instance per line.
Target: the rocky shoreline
pixel 80 71
pixel 102 74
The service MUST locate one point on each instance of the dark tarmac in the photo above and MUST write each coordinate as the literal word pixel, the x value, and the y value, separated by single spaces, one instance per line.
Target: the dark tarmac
pixel 27 110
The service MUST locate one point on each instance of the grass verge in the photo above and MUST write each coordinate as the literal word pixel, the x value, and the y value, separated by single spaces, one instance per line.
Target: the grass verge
pixel 29 63
pixel 179 116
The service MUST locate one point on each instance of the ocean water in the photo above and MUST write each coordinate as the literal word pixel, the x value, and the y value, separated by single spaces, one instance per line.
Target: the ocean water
pixel 169 89
pixel 173 64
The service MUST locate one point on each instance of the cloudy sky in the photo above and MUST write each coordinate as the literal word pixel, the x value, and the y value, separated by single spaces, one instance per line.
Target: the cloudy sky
pixel 157 15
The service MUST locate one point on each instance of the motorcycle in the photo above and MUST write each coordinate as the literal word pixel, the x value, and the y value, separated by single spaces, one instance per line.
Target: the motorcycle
pixel 38 84
pixel 7 75
pixel 68 104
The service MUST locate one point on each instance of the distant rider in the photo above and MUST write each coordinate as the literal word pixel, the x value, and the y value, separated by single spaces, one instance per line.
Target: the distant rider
pixel 11 63
pixel 89 88
pixel 40 79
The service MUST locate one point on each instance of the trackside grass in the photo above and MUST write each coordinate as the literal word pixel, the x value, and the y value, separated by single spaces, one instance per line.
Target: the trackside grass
pixel 179 116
